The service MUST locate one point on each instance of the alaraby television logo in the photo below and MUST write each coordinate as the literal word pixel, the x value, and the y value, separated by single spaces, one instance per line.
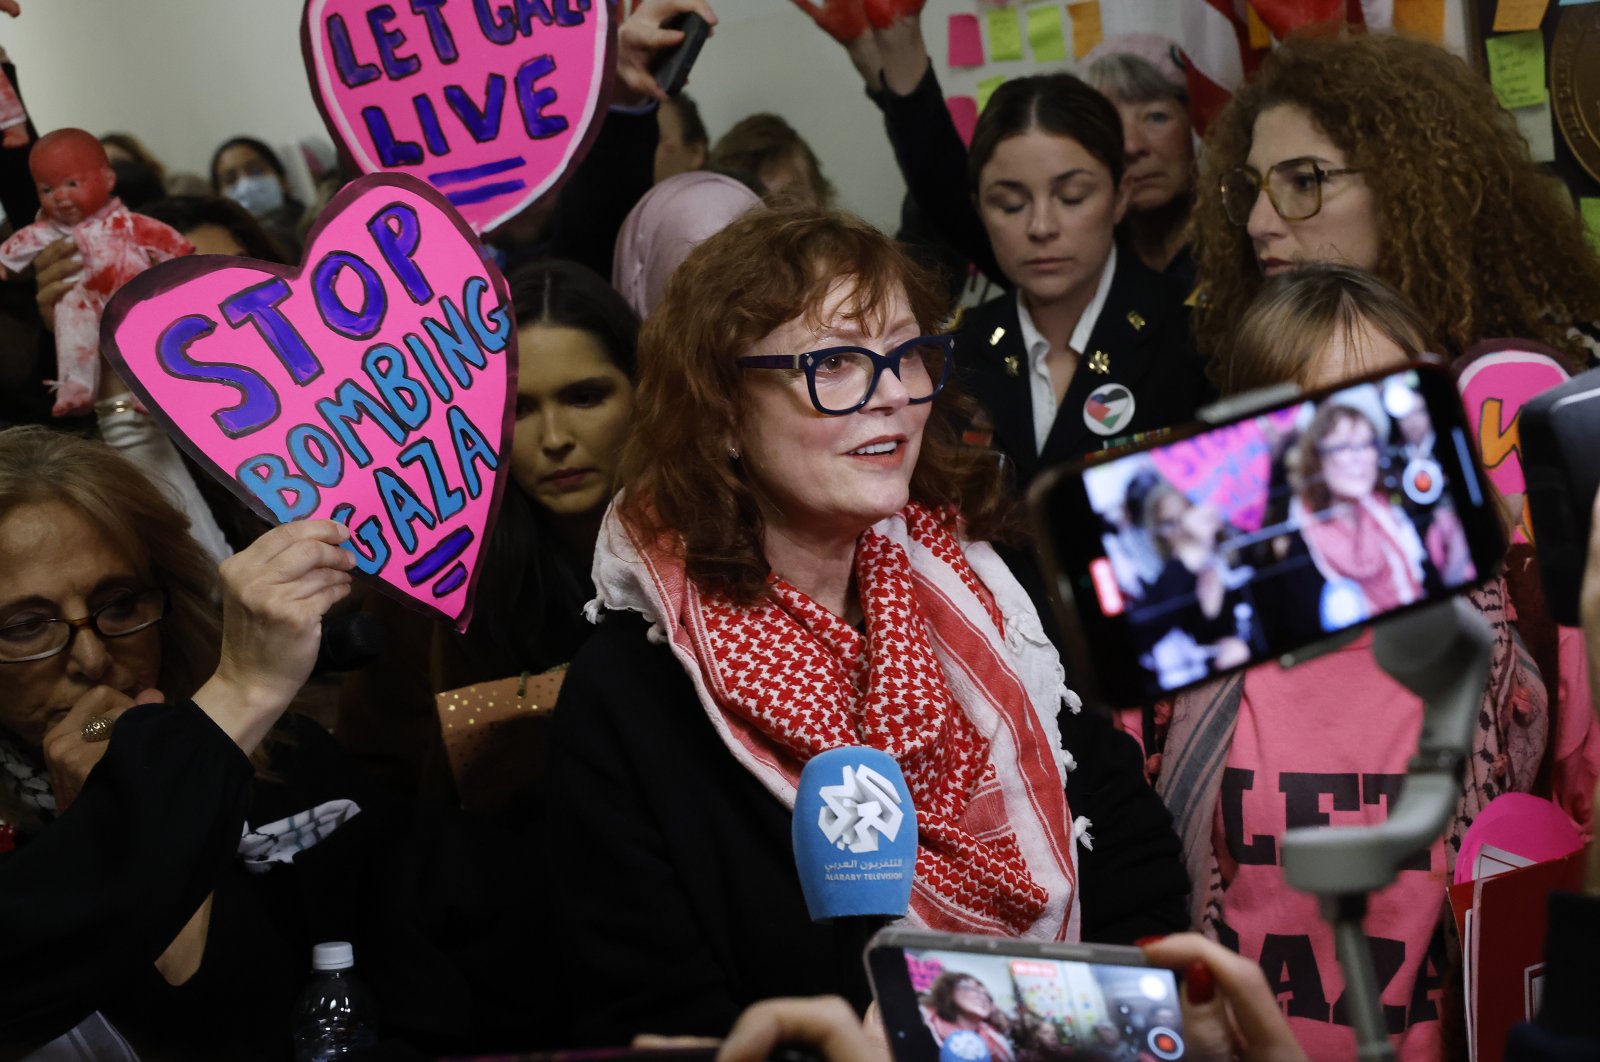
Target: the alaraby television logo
pixel 860 808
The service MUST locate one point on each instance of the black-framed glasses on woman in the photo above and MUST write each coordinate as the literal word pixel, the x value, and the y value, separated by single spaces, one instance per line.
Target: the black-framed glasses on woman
pixel 123 613
pixel 842 379
pixel 1293 187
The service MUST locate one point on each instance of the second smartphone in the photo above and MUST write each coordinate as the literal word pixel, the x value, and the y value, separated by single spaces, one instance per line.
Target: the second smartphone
pixel 1224 545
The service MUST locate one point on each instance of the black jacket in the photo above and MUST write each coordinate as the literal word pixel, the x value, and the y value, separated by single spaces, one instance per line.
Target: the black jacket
pixel 672 869
pixel 94 899
pixel 1142 333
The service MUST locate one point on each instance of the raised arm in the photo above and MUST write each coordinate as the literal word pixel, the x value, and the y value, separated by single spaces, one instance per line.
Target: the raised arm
pixel 884 41
pixel 620 165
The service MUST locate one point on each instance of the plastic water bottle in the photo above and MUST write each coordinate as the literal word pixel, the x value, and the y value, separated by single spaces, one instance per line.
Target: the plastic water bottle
pixel 334 1018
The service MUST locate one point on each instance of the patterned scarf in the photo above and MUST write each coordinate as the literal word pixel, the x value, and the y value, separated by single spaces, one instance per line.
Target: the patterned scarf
pixel 953 678
pixel 1374 549
pixel 25 777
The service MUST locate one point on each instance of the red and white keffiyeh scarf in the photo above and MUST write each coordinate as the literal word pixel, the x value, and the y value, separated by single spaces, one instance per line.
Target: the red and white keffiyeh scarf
pixel 953 678
pixel 1377 548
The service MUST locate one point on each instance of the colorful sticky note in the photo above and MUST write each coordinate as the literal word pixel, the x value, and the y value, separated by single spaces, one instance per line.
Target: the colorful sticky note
pixel 1086 32
pixel 1538 130
pixel 1045 35
pixel 1516 68
pixel 986 89
pixel 1590 208
pixel 1005 34
pixel 1513 15
pixel 1260 36
pixel 964 112
pixel 1423 19
pixel 965 42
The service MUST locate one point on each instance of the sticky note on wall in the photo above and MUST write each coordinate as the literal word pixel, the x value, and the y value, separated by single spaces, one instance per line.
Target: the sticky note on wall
pixel 1590 208
pixel 1537 128
pixel 1086 31
pixel 1045 36
pixel 1420 18
pixel 986 89
pixel 1260 36
pixel 1511 15
pixel 1005 34
pixel 965 43
pixel 1516 68
pixel 964 112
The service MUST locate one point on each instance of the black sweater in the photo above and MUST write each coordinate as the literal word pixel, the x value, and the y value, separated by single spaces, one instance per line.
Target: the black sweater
pixel 672 870
pixel 96 897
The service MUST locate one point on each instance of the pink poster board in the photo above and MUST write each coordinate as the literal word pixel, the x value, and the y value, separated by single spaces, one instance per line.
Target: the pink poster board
pixel 492 102
pixel 1496 378
pixel 1229 469
pixel 374 385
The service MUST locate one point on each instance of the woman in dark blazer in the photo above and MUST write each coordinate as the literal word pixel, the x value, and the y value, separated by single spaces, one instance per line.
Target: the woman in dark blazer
pixel 1092 347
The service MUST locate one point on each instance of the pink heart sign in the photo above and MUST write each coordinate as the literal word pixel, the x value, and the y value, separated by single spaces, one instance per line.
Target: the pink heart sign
pixel 374 385
pixel 490 101
pixel 1496 378
pixel 1230 468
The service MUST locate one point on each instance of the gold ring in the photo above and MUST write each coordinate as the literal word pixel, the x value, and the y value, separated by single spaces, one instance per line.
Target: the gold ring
pixel 97 729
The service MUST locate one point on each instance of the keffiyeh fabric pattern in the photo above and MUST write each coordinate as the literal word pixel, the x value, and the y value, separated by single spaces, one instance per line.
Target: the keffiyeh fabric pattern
pixel 931 682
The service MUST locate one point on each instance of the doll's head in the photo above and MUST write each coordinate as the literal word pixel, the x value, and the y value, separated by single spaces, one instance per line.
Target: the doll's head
pixel 72 173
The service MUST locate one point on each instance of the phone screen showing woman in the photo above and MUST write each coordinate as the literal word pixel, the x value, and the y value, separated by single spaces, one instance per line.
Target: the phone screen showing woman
pixel 1258 537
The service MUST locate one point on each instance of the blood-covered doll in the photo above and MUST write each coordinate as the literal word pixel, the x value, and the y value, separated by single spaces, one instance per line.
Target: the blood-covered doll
pixel 75 182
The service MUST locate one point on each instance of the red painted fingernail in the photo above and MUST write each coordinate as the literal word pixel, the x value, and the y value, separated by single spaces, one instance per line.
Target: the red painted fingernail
pixel 1199 983
pixel 1142 941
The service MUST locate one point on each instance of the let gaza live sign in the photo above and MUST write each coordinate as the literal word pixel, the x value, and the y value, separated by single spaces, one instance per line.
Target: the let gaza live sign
pixel 372 385
pixel 491 102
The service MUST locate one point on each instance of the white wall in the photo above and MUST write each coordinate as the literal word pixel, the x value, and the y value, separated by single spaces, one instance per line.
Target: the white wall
pixel 184 75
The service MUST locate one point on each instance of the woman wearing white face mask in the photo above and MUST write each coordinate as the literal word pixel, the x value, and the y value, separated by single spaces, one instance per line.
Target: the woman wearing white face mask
pixel 249 172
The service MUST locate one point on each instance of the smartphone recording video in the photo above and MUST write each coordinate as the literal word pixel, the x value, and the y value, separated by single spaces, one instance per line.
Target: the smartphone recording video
pixel 957 1005
pixel 1245 541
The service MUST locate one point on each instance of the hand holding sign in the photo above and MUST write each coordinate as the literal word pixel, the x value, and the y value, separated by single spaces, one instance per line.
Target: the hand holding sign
pixel 374 386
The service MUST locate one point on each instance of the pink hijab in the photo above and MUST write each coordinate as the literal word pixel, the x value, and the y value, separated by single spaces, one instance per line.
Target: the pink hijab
pixel 669 222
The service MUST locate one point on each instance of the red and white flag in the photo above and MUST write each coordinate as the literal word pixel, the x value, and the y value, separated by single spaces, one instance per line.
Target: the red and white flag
pixel 1217 38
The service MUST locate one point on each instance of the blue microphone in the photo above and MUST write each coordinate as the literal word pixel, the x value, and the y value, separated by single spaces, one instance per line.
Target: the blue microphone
pixel 855 835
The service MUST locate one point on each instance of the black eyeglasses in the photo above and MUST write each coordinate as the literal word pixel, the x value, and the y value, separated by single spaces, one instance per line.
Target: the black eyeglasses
pixel 842 379
pixel 125 612
pixel 1294 188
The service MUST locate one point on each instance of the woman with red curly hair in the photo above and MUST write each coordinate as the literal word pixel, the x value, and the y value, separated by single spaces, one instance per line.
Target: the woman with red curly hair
pixel 796 564
pixel 1390 155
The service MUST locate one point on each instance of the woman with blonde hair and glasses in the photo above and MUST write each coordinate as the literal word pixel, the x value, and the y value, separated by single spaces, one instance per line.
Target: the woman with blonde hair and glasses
pixel 1390 155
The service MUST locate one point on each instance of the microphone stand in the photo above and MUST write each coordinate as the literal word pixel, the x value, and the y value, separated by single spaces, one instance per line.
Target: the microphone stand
pixel 1440 653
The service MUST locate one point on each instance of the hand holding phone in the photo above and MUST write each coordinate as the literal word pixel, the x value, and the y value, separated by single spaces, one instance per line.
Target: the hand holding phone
pixel 1220 546
pixel 949 997
pixel 671 68
pixel 1229 1011
pixel 657 44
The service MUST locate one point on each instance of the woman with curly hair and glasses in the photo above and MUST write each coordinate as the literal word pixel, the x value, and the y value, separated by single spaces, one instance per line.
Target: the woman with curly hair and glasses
pixel 797 563
pixel 1390 155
